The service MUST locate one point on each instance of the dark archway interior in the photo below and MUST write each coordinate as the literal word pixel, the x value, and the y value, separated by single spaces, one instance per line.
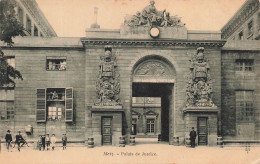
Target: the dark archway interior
pixel 163 90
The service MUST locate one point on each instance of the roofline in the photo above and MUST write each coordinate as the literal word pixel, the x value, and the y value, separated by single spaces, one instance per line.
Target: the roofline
pixel 41 15
pixel 154 42
pixel 237 12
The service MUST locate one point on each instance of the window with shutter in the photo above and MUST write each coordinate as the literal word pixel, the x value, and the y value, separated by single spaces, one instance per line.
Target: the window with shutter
pixel 69 105
pixel 41 105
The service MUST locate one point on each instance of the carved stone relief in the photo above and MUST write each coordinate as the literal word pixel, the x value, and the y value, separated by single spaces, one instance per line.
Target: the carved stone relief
pixel 199 83
pixel 153 68
pixel 150 16
pixel 108 85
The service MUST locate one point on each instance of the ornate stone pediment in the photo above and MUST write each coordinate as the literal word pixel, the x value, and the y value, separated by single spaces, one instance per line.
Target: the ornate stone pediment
pixel 150 113
pixel 135 113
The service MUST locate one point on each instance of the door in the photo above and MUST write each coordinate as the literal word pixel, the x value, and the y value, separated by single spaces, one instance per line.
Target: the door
pixel 106 130
pixel 202 130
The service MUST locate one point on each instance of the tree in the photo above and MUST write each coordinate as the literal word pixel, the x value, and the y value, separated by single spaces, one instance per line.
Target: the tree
pixel 10 27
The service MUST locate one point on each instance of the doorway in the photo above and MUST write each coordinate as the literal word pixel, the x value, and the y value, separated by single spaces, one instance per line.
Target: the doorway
pixel 162 90
pixel 202 130
pixel 106 131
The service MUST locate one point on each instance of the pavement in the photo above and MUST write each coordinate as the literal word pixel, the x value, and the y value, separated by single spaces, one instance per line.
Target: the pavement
pixel 140 153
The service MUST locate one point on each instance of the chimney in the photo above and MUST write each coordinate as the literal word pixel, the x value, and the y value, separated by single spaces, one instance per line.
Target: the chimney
pixel 95 25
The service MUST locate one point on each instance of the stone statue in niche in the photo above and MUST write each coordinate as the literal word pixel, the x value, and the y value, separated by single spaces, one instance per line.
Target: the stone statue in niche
pixel 107 85
pixel 150 16
pixel 199 84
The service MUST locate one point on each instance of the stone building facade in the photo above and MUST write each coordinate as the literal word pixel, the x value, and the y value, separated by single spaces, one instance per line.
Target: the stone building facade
pixel 33 20
pixel 99 85
pixel 245 23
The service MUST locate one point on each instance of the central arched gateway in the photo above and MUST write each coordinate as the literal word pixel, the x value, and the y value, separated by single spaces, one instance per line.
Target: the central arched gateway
pixel 153 98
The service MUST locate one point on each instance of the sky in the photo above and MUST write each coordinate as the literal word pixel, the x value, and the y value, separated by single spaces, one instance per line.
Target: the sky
pixel 70 18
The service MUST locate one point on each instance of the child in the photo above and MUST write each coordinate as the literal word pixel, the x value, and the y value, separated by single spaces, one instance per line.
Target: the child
pixel 40 142
pixel 53 141
pixel 47 139
pixel 64 141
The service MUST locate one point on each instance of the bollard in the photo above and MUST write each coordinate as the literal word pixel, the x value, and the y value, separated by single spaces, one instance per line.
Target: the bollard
pixel 132 140
pixel 159 138
pixel 176 141
pixel 187 141
pixel 220 141
pixel 122 141
pixel 90 142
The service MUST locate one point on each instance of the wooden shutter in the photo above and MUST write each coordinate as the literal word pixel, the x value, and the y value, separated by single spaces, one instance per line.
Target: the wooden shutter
pixel 69 105
pixel 41 105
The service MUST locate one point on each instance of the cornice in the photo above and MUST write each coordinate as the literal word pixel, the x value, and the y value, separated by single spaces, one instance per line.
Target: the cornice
pixel 240 17
pixel 39 17
pixel 149 42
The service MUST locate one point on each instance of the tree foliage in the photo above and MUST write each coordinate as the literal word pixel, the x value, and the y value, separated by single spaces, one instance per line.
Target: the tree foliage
pixel 9 25
pixel 9 28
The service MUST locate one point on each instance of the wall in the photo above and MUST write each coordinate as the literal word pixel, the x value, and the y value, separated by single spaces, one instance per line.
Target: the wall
pixel 128 56
pixel 231 82
pixel 244 28
pixel 31 62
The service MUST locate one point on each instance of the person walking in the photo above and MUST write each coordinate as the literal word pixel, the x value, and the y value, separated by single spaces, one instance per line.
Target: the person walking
pixel 8 140
pixel 53 141
pixel 64 141
pixel 48 141
pixel 193 136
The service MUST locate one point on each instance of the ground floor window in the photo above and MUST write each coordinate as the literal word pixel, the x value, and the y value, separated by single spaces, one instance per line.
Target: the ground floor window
pixel 55 113
pixel 6 104
pixel 244 106
pixel 150 125
pixel 7 110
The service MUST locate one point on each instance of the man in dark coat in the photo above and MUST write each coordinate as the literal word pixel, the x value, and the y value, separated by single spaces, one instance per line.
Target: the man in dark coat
pixel 8 140
pixel 193 136
pixel 43 142
pixel 18 140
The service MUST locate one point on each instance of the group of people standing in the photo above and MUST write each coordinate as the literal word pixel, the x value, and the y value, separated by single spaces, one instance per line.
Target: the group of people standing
pixel 44 141
pixel 47 141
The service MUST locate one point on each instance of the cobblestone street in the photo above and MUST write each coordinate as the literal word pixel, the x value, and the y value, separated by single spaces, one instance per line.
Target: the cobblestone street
pixel 145 153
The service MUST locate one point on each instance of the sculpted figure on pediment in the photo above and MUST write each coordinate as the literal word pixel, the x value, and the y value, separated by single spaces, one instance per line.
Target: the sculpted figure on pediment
pixel 150 16
pixel 171 21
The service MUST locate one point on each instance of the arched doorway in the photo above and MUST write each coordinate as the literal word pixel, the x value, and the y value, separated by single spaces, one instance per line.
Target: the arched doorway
pixel 152 98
